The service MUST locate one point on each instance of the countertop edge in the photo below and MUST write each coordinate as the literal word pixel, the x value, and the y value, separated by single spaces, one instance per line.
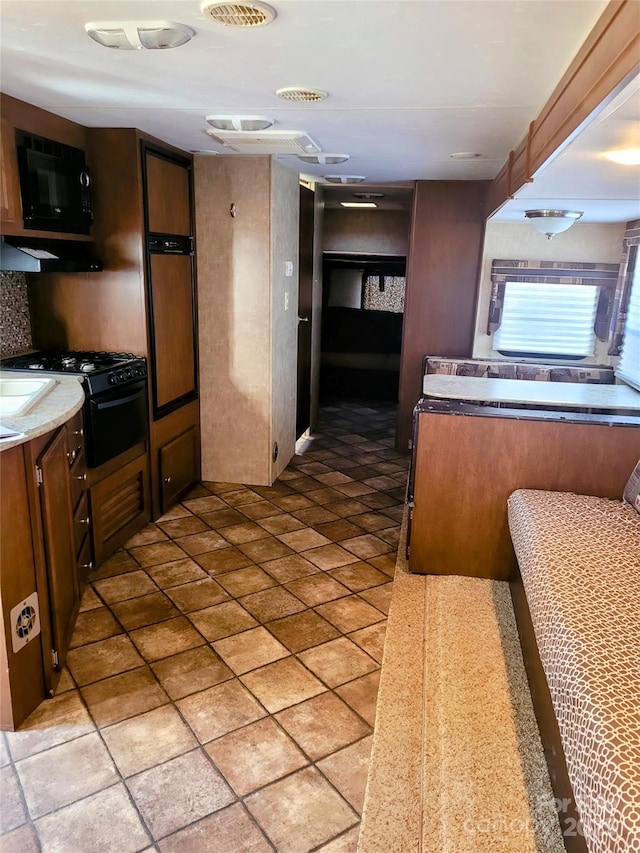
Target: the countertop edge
pixel 55 409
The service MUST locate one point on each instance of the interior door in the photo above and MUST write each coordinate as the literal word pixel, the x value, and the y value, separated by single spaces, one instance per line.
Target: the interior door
pixel 305 305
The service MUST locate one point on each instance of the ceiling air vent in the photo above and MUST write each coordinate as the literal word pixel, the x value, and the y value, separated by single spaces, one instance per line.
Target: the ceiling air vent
pixel 238 14
pixel 345 179
pixel 300 94
pixel 324 159
pixel 266 141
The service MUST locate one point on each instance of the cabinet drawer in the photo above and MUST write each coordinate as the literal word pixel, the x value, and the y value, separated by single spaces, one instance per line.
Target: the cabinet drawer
pixel 75 438
pixel 78 480
pixel 81 522
pixel 178 466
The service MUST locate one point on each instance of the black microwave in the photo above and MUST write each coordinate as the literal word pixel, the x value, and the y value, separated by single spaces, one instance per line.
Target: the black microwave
pixel 55 185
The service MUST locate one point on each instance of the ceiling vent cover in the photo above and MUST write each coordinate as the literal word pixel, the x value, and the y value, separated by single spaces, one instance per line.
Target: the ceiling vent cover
pixel 345 179
pixel 238 14
pixel 266 141
pixel 300 94
pixel 139 35
pixel 368 196
pixel 324 159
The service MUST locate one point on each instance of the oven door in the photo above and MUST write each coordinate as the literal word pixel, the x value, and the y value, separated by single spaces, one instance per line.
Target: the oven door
pixel 116 420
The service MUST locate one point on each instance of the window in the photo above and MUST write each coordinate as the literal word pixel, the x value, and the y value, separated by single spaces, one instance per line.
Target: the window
pixel 629 365
pixel 547 320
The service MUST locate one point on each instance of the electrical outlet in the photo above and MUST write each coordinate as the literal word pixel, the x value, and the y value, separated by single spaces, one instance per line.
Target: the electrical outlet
pixel 288 268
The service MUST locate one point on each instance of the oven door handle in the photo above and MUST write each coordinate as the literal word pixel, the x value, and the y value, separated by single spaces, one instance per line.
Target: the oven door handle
pixel 119 401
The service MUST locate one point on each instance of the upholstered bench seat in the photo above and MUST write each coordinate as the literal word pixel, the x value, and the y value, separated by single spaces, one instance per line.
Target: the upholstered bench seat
pixel 579 557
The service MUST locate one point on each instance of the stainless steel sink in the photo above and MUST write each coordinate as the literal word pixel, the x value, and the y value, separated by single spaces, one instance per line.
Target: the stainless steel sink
pixel 19 394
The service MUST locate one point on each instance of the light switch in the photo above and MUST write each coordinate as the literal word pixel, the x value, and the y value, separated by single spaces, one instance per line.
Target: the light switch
pixel 286 301
pixel 288 268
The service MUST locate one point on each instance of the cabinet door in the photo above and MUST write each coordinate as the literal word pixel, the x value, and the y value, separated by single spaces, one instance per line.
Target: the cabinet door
pixel 178 466
pixel 167 194
pixel 173 330
pixel 10 208
pixel 60 556
pixel 120 506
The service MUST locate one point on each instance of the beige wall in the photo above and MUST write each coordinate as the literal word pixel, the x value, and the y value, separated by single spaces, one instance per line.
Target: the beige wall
pixel 380 232
pixel 511 240
pixel 234 316
pixel 285 216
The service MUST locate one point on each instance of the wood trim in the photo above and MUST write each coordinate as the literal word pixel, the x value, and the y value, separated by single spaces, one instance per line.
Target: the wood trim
pixel 447 233
pixel 606 61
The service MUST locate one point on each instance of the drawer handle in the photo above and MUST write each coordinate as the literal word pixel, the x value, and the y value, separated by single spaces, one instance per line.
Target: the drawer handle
pixel 81 477
pixel 167 479
pixel 78 431
pixel 88 565
pixel 83 520
pixel 72 456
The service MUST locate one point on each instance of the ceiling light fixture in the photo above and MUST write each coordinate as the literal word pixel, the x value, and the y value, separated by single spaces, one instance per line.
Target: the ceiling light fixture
pixel 625 157
pixel 245 123
pixel 465 155
pixel 552 222
pixel 358 204
pixel 301 94
pixel 252 14
pixel 345 179
pixel 139 35
pixel 323 159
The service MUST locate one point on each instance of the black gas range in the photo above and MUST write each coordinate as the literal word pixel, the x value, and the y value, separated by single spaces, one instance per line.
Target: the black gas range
pixel 115 383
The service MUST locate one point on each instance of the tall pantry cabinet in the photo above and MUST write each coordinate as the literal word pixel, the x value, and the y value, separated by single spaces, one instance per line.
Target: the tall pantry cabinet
pixel 144 299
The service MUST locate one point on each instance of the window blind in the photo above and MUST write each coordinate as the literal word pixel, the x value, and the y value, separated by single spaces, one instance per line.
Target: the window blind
pixel 550 319
pixel 629 365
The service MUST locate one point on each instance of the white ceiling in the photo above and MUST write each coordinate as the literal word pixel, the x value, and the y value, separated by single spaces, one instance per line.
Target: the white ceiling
pixel 410 81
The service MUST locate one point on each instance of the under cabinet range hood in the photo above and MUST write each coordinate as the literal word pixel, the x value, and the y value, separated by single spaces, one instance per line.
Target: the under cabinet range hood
pixel 37 254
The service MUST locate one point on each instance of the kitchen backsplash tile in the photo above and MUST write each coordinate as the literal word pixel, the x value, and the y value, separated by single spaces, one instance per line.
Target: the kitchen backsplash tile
pixel 15 323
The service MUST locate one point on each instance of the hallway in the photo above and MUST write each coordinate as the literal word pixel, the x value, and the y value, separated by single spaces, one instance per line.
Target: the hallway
pixel 222 680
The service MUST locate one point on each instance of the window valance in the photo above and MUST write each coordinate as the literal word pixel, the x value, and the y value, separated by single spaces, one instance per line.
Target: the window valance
pixel 555 272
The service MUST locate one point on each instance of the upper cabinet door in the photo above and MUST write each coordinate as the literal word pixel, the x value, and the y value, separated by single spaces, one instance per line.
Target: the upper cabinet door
pixel 168 196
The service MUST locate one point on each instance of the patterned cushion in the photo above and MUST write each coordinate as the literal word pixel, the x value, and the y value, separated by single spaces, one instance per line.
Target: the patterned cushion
pixel 579 557
pixel 632 489
pixel 499 369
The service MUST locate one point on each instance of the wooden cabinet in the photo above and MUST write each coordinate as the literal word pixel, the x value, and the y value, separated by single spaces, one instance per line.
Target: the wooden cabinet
pixel 22 682
pixel 466 467
pixel 142 302
pixel 54 490
pixel 119 504
pixel 178 466
pixel 19 115
pixel 43 538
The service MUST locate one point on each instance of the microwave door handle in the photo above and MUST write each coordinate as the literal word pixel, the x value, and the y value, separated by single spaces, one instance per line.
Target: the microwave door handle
pixel 119 401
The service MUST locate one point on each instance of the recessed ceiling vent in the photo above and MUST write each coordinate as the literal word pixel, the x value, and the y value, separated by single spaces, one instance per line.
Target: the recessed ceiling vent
pixel 324 159
pixel 238 14
pixel 300 94
pixel 368 196
pixel 345 179
pixel 237 122
pixel 266 141
pixel 139 35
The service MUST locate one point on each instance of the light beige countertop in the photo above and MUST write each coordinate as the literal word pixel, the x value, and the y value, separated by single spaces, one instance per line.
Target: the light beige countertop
pixel 565 395
pixel 54 409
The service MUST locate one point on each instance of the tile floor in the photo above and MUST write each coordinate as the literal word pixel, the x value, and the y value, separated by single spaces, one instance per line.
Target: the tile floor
pixel 222 678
